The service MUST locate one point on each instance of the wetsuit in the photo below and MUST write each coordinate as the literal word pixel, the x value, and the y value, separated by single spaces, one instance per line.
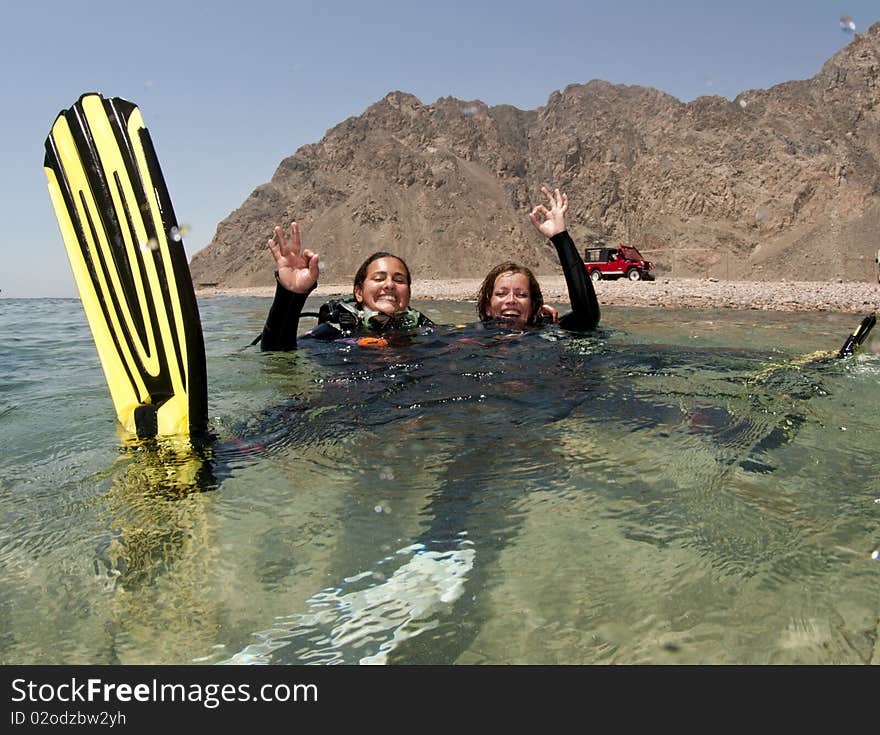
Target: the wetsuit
pixel 337 319
pixel 584 314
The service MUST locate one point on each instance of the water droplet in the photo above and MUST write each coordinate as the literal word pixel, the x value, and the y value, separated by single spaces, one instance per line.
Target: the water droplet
pixel 174 234
pixel 386 475
pixel 743 103
pixel 151 244
pixel 320 265
pixel 377 509
pixel 875 554
pixel 843 428
pixel 846 24
pixel 472 110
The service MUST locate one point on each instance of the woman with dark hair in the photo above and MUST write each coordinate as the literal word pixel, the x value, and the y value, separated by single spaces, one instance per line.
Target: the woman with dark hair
pixel 379 303
pixel 510 294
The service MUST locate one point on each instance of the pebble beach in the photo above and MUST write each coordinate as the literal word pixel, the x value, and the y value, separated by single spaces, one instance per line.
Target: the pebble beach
pixel 852 297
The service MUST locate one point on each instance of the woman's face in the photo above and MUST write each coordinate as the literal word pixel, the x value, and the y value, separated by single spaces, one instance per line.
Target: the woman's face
pixel 511 299
pixel 385 288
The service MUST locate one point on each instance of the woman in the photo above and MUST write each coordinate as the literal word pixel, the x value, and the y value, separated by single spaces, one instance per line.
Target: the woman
pixel 380 302
pixel 510 294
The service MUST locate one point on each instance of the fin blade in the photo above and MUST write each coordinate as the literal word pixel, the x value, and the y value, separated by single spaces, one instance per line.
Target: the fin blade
pixel 118 227
pixel 859 335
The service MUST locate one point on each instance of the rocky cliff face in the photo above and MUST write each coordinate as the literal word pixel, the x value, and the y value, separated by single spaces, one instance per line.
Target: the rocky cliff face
pixel 779 183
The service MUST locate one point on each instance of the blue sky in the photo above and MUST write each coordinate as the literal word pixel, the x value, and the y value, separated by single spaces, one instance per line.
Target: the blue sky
pixel 228 89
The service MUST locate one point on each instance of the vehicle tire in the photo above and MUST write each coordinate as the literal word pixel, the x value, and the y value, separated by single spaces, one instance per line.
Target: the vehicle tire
pixel 596 275
pixel 634 274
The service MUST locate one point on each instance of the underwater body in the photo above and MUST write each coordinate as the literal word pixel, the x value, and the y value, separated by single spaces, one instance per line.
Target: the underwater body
pixel 683 486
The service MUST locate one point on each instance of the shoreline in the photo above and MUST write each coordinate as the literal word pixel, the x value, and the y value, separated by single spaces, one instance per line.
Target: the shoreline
pixel 705 293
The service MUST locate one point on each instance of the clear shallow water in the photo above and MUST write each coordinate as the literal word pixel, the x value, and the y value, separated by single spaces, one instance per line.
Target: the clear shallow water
pixel 681 488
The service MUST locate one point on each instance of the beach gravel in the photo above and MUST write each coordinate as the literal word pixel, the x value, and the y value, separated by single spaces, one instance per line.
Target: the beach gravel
pixel 849 297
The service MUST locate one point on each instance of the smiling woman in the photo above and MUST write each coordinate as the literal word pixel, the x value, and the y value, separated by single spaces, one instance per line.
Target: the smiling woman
pixel 387 289
pixel 510 293
pixel 379 305
pixel 511 296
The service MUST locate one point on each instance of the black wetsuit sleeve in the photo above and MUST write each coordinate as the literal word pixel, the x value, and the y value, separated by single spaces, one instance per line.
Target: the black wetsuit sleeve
pixel 279 332
pixel 584 314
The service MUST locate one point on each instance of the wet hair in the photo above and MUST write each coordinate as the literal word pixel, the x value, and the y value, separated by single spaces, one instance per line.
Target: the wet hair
pixel 484 296
pixel 361 274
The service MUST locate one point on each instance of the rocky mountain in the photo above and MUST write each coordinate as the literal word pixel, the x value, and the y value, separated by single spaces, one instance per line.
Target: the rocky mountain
pixel 778 183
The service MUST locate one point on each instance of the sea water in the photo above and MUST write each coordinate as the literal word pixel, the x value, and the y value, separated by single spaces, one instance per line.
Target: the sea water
pixel 685 486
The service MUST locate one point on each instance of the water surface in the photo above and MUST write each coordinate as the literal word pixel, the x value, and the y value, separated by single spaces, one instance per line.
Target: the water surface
pixel 685 486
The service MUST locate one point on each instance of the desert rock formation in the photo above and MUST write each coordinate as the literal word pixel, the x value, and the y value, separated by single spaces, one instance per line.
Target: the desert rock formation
pixel 782 183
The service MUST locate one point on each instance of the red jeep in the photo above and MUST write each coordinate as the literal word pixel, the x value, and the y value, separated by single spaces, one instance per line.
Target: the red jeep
pixel 624 260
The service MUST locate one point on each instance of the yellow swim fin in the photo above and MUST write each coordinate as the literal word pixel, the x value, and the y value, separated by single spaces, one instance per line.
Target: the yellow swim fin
pixel 128 260
pixel 854 341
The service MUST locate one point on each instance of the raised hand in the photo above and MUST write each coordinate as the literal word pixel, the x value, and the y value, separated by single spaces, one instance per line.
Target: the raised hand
pixel 297 268
pixel 550 222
